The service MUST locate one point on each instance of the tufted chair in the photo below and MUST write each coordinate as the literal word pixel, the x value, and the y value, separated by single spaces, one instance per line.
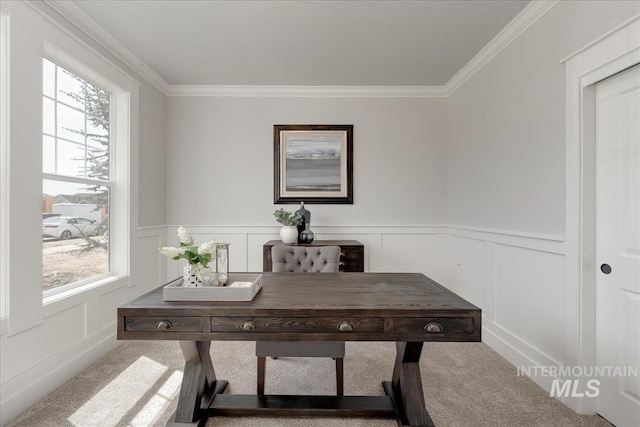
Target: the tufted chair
pixel 301 259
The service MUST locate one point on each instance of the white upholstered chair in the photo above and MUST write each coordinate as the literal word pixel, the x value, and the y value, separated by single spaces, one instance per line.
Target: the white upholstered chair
pixel 308 259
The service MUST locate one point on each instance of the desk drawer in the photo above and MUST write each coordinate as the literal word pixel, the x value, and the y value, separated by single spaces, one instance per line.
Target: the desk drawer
pixel 162 324
pixel 296 324
pixel 434 325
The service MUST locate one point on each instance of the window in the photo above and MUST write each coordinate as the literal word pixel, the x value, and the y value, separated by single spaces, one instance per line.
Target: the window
pixel 77 185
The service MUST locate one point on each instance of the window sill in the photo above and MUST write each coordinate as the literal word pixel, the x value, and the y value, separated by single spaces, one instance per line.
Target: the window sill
pixel 4 325
pixel 106 284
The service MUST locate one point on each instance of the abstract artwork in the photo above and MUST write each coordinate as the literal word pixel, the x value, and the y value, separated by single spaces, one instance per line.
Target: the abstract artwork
pixel 313 163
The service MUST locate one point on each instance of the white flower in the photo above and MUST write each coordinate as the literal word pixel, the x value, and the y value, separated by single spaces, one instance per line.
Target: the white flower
pixel 184 236
pixel 171 252
pixel 207 248
pixel 196 256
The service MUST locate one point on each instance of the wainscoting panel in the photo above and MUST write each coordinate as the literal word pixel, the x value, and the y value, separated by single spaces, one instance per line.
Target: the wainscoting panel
pixel 55 334
pixel 255 240
pixel 474 272
pixel 150 260
pixel 530 298
pixel 519 283
pixel 414 249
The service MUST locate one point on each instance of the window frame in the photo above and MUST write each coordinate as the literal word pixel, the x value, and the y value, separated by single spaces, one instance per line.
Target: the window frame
pixel 120 206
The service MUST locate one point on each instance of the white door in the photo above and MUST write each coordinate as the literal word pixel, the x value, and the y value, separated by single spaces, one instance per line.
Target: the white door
pixel 618 245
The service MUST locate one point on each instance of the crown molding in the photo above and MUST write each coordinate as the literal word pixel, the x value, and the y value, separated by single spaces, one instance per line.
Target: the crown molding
pixel 529 15
pixel 84 23
pixel 309 91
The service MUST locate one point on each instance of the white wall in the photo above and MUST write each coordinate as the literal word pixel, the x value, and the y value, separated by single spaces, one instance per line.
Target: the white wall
pixel 505 132
pixel 152 210
pixel 220 159
pixel 220 176
pixel 43 346
pixel 506 187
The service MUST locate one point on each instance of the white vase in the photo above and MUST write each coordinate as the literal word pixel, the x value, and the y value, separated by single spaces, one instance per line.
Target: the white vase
pixel 289 234
pixel 189 277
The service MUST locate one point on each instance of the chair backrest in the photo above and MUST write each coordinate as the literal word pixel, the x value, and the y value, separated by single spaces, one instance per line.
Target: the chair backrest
pixel 305 259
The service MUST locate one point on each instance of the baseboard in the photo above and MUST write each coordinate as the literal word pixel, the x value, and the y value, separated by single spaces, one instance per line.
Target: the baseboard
pixel 514 350
pixel 520 354
pixel 22 391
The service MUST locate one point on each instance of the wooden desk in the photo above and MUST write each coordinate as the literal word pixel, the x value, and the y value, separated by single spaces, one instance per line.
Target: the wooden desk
pixel 408 308
pixel 351 260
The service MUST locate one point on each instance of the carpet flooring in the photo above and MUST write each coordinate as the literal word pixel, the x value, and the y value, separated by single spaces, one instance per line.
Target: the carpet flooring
pixel 465 384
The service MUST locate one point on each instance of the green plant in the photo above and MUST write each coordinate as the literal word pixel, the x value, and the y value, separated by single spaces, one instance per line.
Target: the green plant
pixel 195 255
pixel 287 218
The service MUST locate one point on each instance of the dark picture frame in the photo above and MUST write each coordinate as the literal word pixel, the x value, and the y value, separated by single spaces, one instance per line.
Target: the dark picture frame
pixel 313 164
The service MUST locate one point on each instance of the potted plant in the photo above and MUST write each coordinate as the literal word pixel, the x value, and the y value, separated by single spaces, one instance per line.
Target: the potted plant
pixel 198 258
pixel 290 222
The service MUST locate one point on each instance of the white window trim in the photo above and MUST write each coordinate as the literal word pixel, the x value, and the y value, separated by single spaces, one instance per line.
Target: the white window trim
pixel 4 171
pixel 121 214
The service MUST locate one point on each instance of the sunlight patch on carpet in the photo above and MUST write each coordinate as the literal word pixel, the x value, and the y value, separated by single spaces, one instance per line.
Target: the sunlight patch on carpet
pixel 155 407
pixel 107 407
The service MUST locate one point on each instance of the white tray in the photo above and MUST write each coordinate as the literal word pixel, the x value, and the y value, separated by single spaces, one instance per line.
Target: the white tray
pixel 176 292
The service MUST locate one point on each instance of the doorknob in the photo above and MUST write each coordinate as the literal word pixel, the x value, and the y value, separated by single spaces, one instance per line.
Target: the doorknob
pixel 605 268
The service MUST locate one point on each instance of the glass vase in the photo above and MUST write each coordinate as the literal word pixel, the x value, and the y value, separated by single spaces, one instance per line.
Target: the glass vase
pixel 306 219
pixel 222 262
pixel 307 235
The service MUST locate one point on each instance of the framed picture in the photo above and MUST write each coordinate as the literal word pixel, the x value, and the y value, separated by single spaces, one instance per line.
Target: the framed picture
pixel 313 163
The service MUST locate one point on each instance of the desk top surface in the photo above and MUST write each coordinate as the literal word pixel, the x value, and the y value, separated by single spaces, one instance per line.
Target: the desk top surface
pixel 358 294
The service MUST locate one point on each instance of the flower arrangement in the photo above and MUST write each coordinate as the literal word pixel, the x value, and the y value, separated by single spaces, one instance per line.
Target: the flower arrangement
pixel 198 257
pixel 287 218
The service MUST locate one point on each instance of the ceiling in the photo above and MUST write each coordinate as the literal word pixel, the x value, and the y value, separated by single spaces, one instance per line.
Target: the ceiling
pixel 303 42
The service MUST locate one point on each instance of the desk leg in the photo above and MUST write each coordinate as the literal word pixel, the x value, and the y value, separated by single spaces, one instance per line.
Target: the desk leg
pixel 199 385
pixel 405 389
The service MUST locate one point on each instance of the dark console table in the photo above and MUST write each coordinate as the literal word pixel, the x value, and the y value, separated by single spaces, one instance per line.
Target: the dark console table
pixel 408 308
pixel 352 259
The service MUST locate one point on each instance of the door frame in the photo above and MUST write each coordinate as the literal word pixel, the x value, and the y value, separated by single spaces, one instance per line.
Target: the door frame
pixel 612 53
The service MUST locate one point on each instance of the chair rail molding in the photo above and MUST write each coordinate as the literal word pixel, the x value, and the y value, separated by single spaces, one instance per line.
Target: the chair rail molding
pixel 542 242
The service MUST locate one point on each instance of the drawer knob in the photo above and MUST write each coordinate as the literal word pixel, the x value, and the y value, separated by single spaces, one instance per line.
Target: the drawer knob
pixel 345 327
pixel 249 326
pixel 163 325
pixel 433 327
